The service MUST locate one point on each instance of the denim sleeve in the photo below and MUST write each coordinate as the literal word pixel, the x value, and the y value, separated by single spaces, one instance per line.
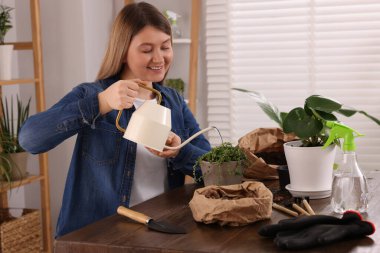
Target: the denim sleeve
pixel 45 130
pixel 188 154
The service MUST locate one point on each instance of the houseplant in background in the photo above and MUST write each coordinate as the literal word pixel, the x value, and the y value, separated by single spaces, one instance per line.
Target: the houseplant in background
pixel 5 50
pixel 177 83
pixel 10 124
pixel 222 165
pixel 310 168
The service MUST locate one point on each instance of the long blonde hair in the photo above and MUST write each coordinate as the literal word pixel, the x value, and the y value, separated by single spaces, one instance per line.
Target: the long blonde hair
pixel 130 21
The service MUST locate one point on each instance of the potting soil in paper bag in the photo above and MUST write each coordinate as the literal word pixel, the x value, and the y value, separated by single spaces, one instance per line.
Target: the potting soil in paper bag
pixel 265 152
pixel 233 205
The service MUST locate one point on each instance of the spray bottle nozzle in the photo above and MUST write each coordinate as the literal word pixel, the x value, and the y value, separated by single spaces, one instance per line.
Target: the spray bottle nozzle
pixel 338 131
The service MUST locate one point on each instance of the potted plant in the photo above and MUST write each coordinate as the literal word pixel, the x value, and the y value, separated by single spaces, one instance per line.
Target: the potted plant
pixel 308 171
pixel 178 84
pixel 5 50
pixel 14 166
pixel 222 165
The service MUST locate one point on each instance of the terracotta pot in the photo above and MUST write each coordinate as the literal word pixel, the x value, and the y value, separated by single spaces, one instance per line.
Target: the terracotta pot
pixel 224 174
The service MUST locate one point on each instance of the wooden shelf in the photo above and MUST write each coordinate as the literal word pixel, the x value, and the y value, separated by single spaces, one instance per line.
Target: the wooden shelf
pixel 35 46
pixel 17 81
pixel 4 186
pixel 28 45
pixel 182 41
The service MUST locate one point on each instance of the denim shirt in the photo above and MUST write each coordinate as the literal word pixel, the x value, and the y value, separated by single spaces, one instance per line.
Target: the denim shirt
pixel 102 166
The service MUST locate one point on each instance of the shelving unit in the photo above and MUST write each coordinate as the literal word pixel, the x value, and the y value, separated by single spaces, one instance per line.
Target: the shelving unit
pixel 182 41
pixel 194 45
pixel 37 80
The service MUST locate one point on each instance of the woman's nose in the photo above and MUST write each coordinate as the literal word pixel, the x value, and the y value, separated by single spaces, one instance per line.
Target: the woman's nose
pixel 157 56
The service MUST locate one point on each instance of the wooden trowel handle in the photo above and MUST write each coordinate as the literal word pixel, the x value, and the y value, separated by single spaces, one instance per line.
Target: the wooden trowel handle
pixel 136 216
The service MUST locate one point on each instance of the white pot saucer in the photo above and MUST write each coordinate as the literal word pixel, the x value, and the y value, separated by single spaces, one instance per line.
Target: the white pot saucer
pixel 310 194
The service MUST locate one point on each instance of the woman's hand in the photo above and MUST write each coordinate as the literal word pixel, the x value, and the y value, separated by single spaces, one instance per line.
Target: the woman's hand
pixel 173 140
pixel 120 95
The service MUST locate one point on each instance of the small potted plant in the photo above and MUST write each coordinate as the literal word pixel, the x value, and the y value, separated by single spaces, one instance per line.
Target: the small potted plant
pixel 308 170
pixel 5 50
pixel 14 163
pixel 222 165
pixel 177 83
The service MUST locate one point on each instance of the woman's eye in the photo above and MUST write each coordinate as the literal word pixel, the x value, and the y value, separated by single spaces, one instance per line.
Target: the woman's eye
pixel 165 48
pixel 146 49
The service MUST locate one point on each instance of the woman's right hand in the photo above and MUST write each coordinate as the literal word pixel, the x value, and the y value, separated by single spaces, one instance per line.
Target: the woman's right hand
pixel 120 95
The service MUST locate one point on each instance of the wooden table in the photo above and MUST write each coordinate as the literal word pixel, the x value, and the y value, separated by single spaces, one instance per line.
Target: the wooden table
pixel 119 234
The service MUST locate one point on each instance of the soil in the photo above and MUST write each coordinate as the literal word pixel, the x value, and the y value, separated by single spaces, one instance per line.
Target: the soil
pixel 277 158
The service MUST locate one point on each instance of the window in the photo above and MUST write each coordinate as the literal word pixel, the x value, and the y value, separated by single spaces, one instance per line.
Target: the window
pixel 288 50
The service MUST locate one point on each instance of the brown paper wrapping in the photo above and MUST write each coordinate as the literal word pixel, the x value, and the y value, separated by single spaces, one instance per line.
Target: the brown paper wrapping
pixel 263 140
pixel 233 205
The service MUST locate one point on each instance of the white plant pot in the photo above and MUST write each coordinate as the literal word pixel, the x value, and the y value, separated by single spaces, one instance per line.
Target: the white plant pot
pixel 6 62
pixel 310 168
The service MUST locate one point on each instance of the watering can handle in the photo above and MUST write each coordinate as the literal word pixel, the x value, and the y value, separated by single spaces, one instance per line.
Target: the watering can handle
pixel 159 99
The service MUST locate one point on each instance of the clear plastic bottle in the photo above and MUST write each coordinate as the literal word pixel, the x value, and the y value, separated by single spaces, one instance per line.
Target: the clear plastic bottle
pixel 349 188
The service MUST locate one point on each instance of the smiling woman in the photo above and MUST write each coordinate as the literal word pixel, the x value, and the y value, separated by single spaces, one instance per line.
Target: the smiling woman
pixel 106 170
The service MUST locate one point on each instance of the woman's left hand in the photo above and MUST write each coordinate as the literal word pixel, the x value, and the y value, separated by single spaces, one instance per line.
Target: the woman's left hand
pixel 172 141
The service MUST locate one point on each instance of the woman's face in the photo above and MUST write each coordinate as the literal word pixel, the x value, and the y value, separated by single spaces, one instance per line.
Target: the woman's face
pixel 149 55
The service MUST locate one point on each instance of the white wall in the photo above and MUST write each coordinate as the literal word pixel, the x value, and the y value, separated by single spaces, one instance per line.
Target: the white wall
pixel 74 37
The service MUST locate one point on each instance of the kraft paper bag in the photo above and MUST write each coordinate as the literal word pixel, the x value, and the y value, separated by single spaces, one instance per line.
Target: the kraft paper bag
pixel 233 205
pixel 265 152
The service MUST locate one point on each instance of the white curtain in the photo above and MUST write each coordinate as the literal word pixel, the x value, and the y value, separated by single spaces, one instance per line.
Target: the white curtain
pixel 288 50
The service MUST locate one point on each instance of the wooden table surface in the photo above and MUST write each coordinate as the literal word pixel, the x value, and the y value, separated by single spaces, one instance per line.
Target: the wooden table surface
pixel 120 234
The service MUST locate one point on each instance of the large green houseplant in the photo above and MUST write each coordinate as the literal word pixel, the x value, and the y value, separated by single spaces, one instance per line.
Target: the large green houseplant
pixel 307 122
pixel 310 166
pixel 10 123
pixel 222 165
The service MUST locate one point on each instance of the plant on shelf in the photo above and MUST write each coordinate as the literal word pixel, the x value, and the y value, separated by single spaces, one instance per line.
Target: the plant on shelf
pixel 222 165
pixel 178 84
pixel 307 122
pixel 5 49
pixel 5 21
pixel 10 123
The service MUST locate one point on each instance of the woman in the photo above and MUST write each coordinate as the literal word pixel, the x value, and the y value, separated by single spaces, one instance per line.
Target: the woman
pixel 107 170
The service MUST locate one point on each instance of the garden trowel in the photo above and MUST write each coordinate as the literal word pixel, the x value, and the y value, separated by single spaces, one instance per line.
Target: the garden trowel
pixel 151 224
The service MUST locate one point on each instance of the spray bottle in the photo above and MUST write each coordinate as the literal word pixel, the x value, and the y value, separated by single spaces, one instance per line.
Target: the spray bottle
pixel 349 187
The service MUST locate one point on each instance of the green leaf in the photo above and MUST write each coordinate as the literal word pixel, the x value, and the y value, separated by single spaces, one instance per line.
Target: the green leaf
pixel 348 112
pixel 268 108
pixel 302 124
pixel 321 103
pixel 325 115
pixel 283 116
pixel 370 117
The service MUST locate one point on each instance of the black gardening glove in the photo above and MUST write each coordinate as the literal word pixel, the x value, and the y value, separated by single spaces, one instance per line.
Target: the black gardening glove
pixel 309 231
